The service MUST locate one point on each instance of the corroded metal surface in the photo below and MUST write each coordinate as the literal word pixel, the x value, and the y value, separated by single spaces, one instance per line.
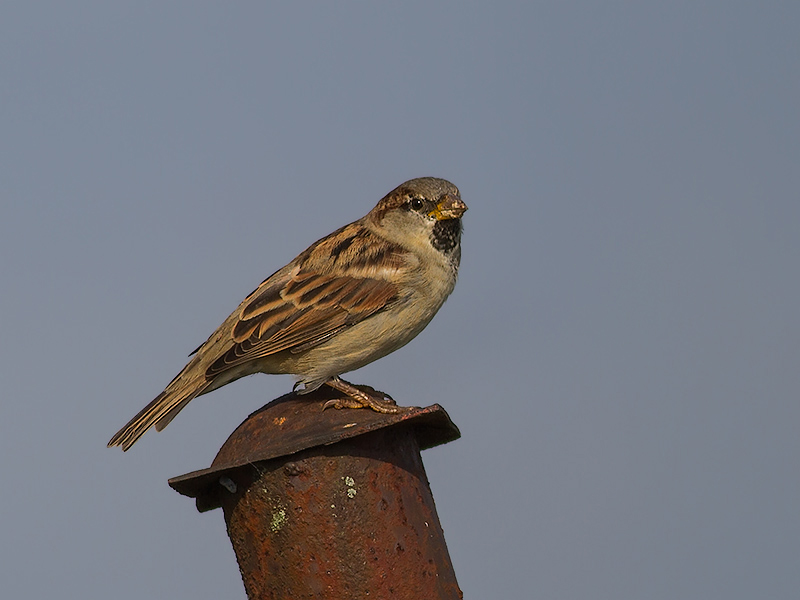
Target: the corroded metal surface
pixel 293 423
pixel 331 504
pixel 352 520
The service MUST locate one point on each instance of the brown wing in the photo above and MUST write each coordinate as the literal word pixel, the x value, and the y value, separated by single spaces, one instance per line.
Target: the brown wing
pixel 300 311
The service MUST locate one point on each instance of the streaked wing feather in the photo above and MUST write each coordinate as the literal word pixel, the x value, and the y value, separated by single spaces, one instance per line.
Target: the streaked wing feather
pixel 309 309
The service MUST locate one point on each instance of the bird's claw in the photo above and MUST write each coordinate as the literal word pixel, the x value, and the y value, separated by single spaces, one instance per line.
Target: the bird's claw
pixel 357 398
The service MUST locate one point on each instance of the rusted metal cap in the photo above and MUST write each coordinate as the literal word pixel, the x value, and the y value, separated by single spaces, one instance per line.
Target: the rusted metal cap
pixel 293 423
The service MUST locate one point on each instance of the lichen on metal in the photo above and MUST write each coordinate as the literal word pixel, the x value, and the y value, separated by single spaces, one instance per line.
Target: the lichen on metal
pixel 278 520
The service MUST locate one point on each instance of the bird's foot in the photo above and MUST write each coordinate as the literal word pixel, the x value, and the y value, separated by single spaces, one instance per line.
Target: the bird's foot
pixel 358 398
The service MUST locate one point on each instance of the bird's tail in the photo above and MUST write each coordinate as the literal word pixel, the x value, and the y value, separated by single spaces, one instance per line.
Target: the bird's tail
pixel 161 410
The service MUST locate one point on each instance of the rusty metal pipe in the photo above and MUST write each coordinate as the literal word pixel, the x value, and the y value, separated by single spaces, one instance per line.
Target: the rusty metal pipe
pixel 332 504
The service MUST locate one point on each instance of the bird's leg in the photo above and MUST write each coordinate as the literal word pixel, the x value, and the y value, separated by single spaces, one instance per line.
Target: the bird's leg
pixel 356 398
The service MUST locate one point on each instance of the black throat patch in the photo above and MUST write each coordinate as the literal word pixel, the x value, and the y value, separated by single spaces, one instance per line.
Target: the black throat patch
pixel 446 234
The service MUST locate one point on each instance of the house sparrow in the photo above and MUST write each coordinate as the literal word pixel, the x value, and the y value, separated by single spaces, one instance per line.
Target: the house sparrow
pixel 351 298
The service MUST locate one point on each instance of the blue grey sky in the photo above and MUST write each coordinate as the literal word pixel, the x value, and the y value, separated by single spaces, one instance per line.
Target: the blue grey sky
pixel 622 351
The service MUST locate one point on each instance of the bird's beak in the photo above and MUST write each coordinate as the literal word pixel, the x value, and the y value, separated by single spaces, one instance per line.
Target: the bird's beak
pixel 450 207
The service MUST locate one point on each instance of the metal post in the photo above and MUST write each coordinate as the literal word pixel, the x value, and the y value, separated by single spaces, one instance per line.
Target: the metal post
pixel 331 504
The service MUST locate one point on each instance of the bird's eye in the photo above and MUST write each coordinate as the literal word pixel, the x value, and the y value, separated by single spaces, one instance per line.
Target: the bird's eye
pixel 415 204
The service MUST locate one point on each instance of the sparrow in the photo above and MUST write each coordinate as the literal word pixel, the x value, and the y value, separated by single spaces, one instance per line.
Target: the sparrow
pixel 351 298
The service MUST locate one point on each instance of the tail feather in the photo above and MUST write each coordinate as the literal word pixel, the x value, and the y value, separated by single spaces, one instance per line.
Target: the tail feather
pixel 172 413
pixel 159 413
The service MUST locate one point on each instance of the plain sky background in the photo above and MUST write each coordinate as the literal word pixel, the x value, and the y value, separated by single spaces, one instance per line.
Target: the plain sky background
pixel 622 352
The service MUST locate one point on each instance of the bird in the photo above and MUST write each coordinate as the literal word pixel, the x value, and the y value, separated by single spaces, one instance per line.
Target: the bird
pixel 349 299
